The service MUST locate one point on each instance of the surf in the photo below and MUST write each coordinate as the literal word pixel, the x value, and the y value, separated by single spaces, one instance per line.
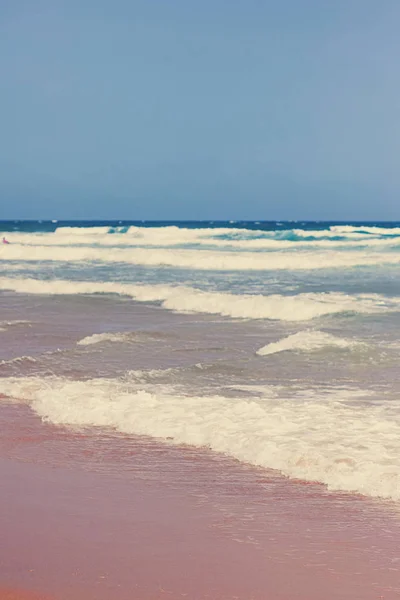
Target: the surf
pixel 314 435
pixel 185 299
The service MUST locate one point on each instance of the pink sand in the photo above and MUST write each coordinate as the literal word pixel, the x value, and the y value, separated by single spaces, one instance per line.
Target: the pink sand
pixel 13 594
pixel 97 516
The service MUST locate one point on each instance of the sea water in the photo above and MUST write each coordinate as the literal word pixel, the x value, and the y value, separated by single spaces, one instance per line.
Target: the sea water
pixel 275 343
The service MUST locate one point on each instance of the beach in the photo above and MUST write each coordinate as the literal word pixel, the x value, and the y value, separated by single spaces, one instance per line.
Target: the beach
pixel 212 430
pixel 102 517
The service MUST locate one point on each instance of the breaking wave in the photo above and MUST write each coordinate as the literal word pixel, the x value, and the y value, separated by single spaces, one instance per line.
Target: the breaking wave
pixel 202 259
pixel 300 307
pixel 17 360
pixel 202 233
pixel 307 341
pixel 334 438
pixel 219 238
pixel 4 325
pixel 98 338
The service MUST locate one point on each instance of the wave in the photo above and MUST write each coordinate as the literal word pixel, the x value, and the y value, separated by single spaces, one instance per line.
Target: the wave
pixel 307 341
pixel 346 229
pixel 80 231
pixel 300 307
pixel 175 230
pixel 4 325
pixel 98 338
pixel 18 359
pixel 178 233
pixel 227 243
pixel 324 437
pixel 203 259
pixel 217 237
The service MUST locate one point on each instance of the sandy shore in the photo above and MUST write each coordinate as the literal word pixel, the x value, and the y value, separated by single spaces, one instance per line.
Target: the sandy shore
pixel 90 516
pixel 9 594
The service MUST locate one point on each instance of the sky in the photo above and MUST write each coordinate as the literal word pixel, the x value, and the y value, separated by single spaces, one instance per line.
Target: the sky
pixel 200 109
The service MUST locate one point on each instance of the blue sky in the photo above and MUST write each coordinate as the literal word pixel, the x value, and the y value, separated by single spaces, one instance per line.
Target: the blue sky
pixel 239 109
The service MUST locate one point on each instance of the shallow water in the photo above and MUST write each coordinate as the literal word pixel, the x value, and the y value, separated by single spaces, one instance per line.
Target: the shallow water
pixel 274 344
pixel 250 369
pixel 118 516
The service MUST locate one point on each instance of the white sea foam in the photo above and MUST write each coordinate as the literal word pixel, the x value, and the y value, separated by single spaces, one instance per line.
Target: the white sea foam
pixel 219 238
pixel 4 325
pixel 300 307
pixel 307 341
pixel 202 259
pixel 238 237
pixel 263 243
pixel 18 359
pixel 98 338
pixel 172 231
pixel 79 231
pixel 349 229
pixel 141 236
pixel 328 233
pixel 338 438
pixel 169 236
pixel 14 322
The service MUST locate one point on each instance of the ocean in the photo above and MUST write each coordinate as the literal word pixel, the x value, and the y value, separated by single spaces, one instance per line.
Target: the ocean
pixel 272 344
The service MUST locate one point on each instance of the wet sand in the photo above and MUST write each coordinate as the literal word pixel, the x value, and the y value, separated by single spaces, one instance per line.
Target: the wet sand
pixel 9 594
pixel 98 516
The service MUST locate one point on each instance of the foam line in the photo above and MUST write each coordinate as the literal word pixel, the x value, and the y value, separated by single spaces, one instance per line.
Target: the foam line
pixel 334 438
pixel 300 307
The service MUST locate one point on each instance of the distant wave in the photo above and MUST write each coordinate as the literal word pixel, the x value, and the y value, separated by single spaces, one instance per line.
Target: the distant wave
pixel 98 338
pixel 238 238
pixel 249 243
pixel 375 230
pixel 315 436
pixel 118 226
pixel 4 325
pixel 308 341
pixel 202 259
pixel 18 359
pixel 300 307
pixel 251 228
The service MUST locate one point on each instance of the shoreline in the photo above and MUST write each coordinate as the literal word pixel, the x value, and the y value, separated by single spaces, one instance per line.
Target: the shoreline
pixel 17 594
pixel 122 518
